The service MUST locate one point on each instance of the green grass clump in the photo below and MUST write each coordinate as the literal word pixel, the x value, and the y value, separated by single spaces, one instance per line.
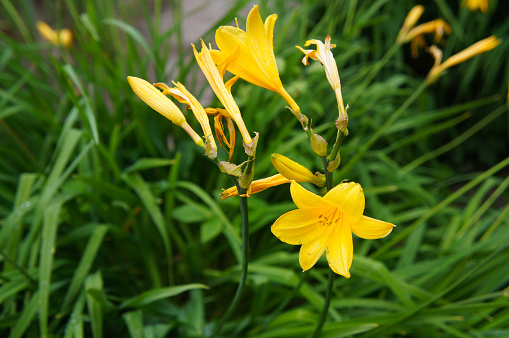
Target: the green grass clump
pixel 111 220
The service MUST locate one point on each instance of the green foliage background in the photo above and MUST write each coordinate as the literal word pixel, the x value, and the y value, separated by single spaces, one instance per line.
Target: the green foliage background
pixel 111 221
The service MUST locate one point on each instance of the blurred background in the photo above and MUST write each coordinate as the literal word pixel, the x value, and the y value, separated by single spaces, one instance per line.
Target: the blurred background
pixel 111 223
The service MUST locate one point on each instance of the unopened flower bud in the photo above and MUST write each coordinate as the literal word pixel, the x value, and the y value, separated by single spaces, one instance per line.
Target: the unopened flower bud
pixel 294 171
pixel 318 144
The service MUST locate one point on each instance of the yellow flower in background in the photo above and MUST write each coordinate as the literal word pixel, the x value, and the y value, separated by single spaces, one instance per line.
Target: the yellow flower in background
pixel 295 171
pixel 477 48
pixel 408 33
pixel 61 37
pixel 181 94
pixel 215 79
pixel 412 18
pixel 255 62
pixel 163 105
pixel 326 224
pixel 324 55
pixel 257 186
pixel 474 5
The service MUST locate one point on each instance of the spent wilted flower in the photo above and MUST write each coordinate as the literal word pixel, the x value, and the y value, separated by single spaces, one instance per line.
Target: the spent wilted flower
pixel 326 223
pixel 477 48
pixel 255 61
pixel 295 171
pixel 324 55
pixel 474 5
pixel 257 186
pixel 62 37
pixel 215 79
pixel 163 105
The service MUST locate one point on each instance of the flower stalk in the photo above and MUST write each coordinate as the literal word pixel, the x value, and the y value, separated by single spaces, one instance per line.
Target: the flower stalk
pixel 245 258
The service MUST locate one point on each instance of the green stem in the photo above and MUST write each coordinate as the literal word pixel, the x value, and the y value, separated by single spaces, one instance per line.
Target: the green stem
pixel 245 256
pixel 328 175
pixel 335 149
pixel 325 309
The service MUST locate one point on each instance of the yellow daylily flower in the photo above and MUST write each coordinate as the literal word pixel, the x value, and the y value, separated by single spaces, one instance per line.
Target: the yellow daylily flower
pixel 295 171
pixel 163 105
pixel 326 224
pixel 324 55
pixel 257 186
pixel 62 37
pixel 255 62
pixel 474 5
pixel 215 79
pixel 477 48
pixel 408 33
pixel 181 94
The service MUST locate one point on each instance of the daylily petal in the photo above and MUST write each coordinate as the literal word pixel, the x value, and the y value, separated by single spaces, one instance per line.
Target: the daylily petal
pixel 370 228
pixel 269 29
pixel 229 39
pixel 340 249
pixel 299 226
pixel 306 199
pixel 258 41
pixel 349 199
pixel 311 252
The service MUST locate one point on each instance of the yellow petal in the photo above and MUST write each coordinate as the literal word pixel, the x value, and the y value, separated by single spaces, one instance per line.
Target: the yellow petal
pixel 228 39
pixel 258 41
pixel 311 252
pixel 349 199
pixel 215 79
pixel 305 199
pixel 370 228
pixel 299 226
pixel 340 249
pixel 269 29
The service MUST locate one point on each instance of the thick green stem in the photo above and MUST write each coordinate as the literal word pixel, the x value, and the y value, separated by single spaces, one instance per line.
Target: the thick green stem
pixel 325 309
pixel 328 175
pixel 245 258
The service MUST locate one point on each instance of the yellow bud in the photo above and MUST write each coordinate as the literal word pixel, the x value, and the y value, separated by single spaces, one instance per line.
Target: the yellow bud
pixel 294 171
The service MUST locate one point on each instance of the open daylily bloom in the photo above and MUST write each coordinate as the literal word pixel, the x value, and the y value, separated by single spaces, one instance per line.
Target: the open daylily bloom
pixel 477 48
pixel 326 224
pixel 408 33
pixel 295 171
pixel 324 55
pixel 215 79
pixel 474 5
pixel 163 105
pixel 181 94
pixel 61 37
pixel 255 62
pixel 257 186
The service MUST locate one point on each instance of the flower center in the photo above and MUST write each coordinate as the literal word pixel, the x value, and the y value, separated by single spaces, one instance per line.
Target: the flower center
pixel 331 218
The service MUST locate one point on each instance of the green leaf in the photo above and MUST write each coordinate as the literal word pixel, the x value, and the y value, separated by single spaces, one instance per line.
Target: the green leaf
pixel 148 163
pixel 154 295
